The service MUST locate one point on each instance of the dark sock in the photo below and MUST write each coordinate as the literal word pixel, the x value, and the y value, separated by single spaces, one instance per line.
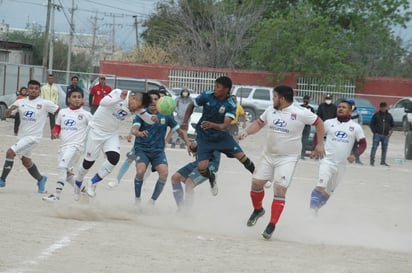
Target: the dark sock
pixel 8 165
pixel 34 172
pixel 205 173
pixel 247 163
pixel 138 187
pixel 158 189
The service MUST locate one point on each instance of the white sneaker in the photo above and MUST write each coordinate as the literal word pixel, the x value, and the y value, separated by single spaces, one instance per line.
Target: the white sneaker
pixel 91 189
pixel 51 198
pixel 213 185
pixel 78 191
pixel 112 184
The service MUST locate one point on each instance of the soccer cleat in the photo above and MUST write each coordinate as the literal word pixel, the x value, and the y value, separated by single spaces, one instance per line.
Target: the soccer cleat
pixel 51 198
pixel 2 183
pixel 267 233
pixel 256 214
pixel 91 189
pixel 41 184
pixel 78 191
pixel 112 184
pixel 213 186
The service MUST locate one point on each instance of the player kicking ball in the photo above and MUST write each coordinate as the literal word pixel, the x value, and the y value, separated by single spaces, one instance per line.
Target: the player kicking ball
pixel 71 128
pixel 341 135
pixel 285 122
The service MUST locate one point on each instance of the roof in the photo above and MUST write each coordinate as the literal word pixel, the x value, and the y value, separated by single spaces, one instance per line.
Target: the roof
pixel 14 45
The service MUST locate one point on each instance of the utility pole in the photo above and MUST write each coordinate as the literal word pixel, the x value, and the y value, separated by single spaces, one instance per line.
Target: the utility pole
pixel 114 29
pixel 95 28
pixel 69 53
pixel 46 36
pixel 136 28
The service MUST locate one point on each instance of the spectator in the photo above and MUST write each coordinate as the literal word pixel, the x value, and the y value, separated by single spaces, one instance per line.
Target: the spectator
pixel 21 94
pixel 73 86
pixel 382 127
pixel 162 91
pixel 306 129
pixel 234 125
pixel 327 110
pixel 50 92
pixel 98 92
pixel 182 102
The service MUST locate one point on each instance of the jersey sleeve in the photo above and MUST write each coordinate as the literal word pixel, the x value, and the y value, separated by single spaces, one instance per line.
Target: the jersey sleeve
pixel 308 117
pixel 137 121
pixel 51 107
pixel 59 118
pixel 171 122
pixel 16 103
pixel 359 134
pixel 112 98
pixel 202 99
pixel 264 116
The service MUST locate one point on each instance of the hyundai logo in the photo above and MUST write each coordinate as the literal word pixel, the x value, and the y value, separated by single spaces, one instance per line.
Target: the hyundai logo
pixel 122 113
pixel 340 134
pixel 280 123
pixel 29 114
pixel 69 122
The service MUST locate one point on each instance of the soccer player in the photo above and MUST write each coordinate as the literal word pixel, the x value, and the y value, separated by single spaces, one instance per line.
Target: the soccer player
pixel 285 122
pixel 71 127
pixel 189 175
pixel 212 129
pixel 103 134
pixel 33 112
pixel 341 135
pixel 149 148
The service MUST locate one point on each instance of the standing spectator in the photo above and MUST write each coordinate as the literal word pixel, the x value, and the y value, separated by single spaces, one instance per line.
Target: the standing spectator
pixel 50 92
pixel 21 94
pixel 234 125
pixel 356 117
pixel 181 105
pixel 33 112
pixel 382 127
pixel 327 109
pixel 74 85
pixel 98 92
pixel 306 129
pixel 162 91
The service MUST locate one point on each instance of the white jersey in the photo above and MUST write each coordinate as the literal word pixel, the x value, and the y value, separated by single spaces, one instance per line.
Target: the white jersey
pixel 340 138
pixel 113 110
pixel 33 115
pixel 73 124
pixel 285 128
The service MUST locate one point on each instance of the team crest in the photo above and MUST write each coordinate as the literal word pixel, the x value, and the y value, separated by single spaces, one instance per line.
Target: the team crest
pixel 221 109
pixel 80 117
pixel 351 128
pixel 38 106
pixel 162 121
pixel 293 116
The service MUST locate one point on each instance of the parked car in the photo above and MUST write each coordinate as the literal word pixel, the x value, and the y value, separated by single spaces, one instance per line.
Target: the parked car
pixel 194 119
pixel 7 100
pixel 364 106
pixel 133 84
pixel 400 117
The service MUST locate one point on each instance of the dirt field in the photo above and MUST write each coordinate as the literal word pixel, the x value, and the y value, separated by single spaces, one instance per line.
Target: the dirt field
pixel 365 227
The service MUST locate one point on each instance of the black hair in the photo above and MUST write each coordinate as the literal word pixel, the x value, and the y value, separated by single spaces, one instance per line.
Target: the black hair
pixel 154 92
pixel 225 81
pixel 75 90
pixel 75 77
pixel 347 102
pixel 50 75
pixel 33 82
pixel 146 99
pixel 383 104
pixel 284 91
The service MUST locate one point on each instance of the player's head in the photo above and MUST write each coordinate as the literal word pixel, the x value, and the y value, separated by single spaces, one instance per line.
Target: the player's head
pixel 222 88
pixel 155 96
pixel 282 96
pixel 33 87
pixel 75 98
pixel 138 101
pixel 344 109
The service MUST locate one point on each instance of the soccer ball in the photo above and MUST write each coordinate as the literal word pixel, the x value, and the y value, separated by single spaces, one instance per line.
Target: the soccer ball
pixel 166 105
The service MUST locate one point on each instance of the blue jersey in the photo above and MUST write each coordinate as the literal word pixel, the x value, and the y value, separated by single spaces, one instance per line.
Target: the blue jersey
pixel 155 139
pixel 215 111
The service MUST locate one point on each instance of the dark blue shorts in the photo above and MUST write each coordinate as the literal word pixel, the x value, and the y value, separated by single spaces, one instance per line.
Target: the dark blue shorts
pixel 155 158
pixel 226 145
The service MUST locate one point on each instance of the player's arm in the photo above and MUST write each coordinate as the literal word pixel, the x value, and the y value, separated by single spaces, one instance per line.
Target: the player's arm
pixel 11 110
pixel 114 97
pixel 147 117
pixel 253 128
pixel 188 113
pixel 319 151
pixel 217 126
pixel 360 148
pixel 136 131
pixel 183 135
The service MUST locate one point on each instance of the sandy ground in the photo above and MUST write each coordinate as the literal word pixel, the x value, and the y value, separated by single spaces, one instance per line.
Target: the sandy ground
pixel 365 227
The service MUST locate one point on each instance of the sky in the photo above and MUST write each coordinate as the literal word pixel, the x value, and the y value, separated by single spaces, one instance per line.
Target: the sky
pixel 19 13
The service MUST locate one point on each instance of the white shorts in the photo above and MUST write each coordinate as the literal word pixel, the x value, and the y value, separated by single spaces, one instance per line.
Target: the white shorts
pixel 24 146
pixel 69 155
pixel 97 141
pixel 330 175
pixel 278 169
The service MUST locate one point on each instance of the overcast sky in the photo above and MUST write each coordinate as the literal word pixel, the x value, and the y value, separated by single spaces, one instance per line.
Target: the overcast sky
pixel 17 13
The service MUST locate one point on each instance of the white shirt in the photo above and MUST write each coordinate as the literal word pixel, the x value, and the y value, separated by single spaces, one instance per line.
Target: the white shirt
pixel 284 129
pixel 73 123
pixel 33 115
pixel 340 138
pixel 112 111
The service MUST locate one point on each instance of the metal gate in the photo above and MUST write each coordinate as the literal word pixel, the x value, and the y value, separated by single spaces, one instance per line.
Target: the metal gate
pixel 199 81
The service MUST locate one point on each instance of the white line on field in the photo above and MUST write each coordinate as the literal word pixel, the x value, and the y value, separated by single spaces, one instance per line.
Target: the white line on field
pixel 50 251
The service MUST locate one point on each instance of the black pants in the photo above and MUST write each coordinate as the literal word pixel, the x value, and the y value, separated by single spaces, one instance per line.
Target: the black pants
pixel 52 119
pixel 305 136
pixel 16 123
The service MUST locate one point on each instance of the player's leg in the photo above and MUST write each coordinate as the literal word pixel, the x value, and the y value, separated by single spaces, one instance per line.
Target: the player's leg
pixel 320 194
pixel 130 158
pixel 177 178
pixel 34 172
pixel 204 153
pixel 142 162
pixel 159 163
pixel 8 165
